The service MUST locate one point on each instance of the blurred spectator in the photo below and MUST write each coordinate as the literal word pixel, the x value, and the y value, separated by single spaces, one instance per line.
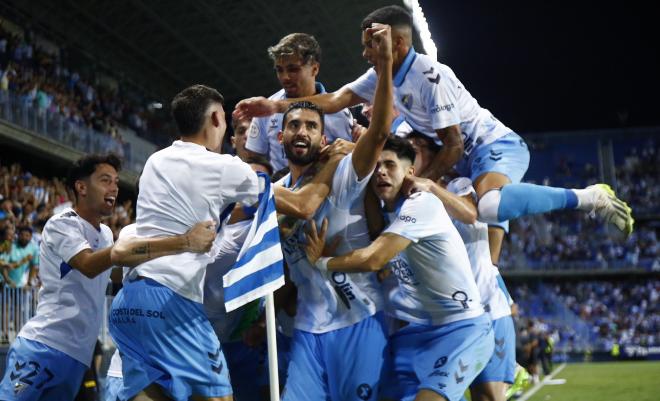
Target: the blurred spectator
pixel 20 258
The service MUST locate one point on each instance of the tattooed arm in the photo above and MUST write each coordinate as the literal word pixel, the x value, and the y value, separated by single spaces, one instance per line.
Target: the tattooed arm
pixel 132 251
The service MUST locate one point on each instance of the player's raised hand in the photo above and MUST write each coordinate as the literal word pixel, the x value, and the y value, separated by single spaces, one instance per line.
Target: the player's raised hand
pixel 315 240
pixel 412 184
pixel 381 41
pixel 254 107
pixel 340 147
pixel 200 237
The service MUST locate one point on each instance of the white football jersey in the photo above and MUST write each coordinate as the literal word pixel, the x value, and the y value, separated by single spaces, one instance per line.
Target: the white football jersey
pixel 475 237
pixel 333 300
pixel 262 135
pixel 70 306
pixel 180 186
pixel 436 285
pixel 429 96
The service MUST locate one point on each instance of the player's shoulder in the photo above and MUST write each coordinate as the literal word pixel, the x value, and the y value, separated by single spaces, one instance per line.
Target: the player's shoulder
pixel 128 231
pixel 420 198
pixel 427 69
pixel 66 217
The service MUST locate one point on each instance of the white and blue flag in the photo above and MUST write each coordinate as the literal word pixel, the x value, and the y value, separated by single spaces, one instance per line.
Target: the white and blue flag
pixel 258 269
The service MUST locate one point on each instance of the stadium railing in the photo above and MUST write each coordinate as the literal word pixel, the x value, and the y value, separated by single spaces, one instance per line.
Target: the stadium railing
pixel 18 305
pixel 55 126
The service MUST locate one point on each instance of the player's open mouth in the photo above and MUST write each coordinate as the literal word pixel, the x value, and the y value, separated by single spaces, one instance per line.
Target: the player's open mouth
pixel 300 145
pixel 109 201
pixel 383 184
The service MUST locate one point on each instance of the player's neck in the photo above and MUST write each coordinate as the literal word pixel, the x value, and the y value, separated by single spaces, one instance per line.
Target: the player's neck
pixel 390 205
pixel 309 90
pixel 297 171
pixel 398 58
pixel 86 213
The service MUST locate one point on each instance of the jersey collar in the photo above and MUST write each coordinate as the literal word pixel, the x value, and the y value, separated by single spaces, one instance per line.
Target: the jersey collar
pixel 405 67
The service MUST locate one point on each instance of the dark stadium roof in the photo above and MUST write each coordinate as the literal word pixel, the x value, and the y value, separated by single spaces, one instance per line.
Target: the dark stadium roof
pixel 166 45
pixel 536 67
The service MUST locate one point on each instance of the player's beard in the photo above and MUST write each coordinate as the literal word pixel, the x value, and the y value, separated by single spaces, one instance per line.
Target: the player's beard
pixel 311 156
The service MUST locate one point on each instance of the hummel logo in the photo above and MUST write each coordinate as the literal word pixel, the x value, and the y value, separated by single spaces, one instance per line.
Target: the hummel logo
pixel 500 354
pixel 214 356
pixel 458 378
pixel 499 342
pixel 429 72
pixel 461 366
pixel 217 369
pixel 435 80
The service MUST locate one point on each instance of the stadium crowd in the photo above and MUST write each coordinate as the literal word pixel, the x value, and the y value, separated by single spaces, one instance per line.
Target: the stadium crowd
pixel 616 314
pixel 45 80
pixel 575 240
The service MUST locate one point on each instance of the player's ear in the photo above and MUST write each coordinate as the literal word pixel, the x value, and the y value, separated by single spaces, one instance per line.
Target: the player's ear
pixel 215 119
pixel 280 136
pixel 324 140
pixel 411 170
pixel 316 67
pixel 81 187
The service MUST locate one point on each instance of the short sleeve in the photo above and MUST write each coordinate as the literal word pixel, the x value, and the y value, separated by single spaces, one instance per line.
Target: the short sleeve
pixel 257 138
pixel 420 216
pixel 65 237
pixel 346 187
pixel 239 183
pixel 461 186
pixel 365 85
pixel 441 101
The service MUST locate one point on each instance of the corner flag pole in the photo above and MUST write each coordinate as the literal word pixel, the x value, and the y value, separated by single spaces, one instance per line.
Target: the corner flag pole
pixel 271 334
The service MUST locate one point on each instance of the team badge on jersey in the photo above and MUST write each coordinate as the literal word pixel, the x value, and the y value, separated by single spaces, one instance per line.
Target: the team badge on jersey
pixel 407 101
pixel 254 130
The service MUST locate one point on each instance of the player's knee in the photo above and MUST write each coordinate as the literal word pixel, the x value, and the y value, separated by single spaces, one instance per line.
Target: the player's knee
pixel 489 205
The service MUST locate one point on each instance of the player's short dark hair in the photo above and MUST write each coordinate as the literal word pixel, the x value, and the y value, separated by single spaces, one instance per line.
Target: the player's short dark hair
pixel 85 167
pixel 402 147
pixel 189 107
pixel 260 160
pixel 20 229
pixel 390 15
pixel 302 45
pixel 303 105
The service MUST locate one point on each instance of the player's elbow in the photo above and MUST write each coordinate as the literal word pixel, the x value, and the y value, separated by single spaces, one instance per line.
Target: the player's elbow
pixel 374 262
pixel 119 255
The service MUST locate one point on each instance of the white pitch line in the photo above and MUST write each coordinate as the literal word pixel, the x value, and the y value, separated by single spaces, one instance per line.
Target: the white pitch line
pixel 540 384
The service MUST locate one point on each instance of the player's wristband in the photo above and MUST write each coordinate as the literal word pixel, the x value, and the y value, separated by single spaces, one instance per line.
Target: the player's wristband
pixel 322 263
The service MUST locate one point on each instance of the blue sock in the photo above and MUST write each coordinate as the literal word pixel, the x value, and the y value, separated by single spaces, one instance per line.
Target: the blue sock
pixel 525 199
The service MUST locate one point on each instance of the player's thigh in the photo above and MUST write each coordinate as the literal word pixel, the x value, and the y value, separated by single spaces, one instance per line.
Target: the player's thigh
pixel 489 391
pixel 428 395
pixel 306 376
pixel 489 181
pixel 507 156
pixel 354 358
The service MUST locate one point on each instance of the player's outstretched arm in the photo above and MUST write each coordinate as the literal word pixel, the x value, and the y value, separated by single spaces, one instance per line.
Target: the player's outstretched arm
pixel 459 207
pixel 449 154
pixel 369 259
pixel 132 251
pixel 329 102
pixel 368 147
